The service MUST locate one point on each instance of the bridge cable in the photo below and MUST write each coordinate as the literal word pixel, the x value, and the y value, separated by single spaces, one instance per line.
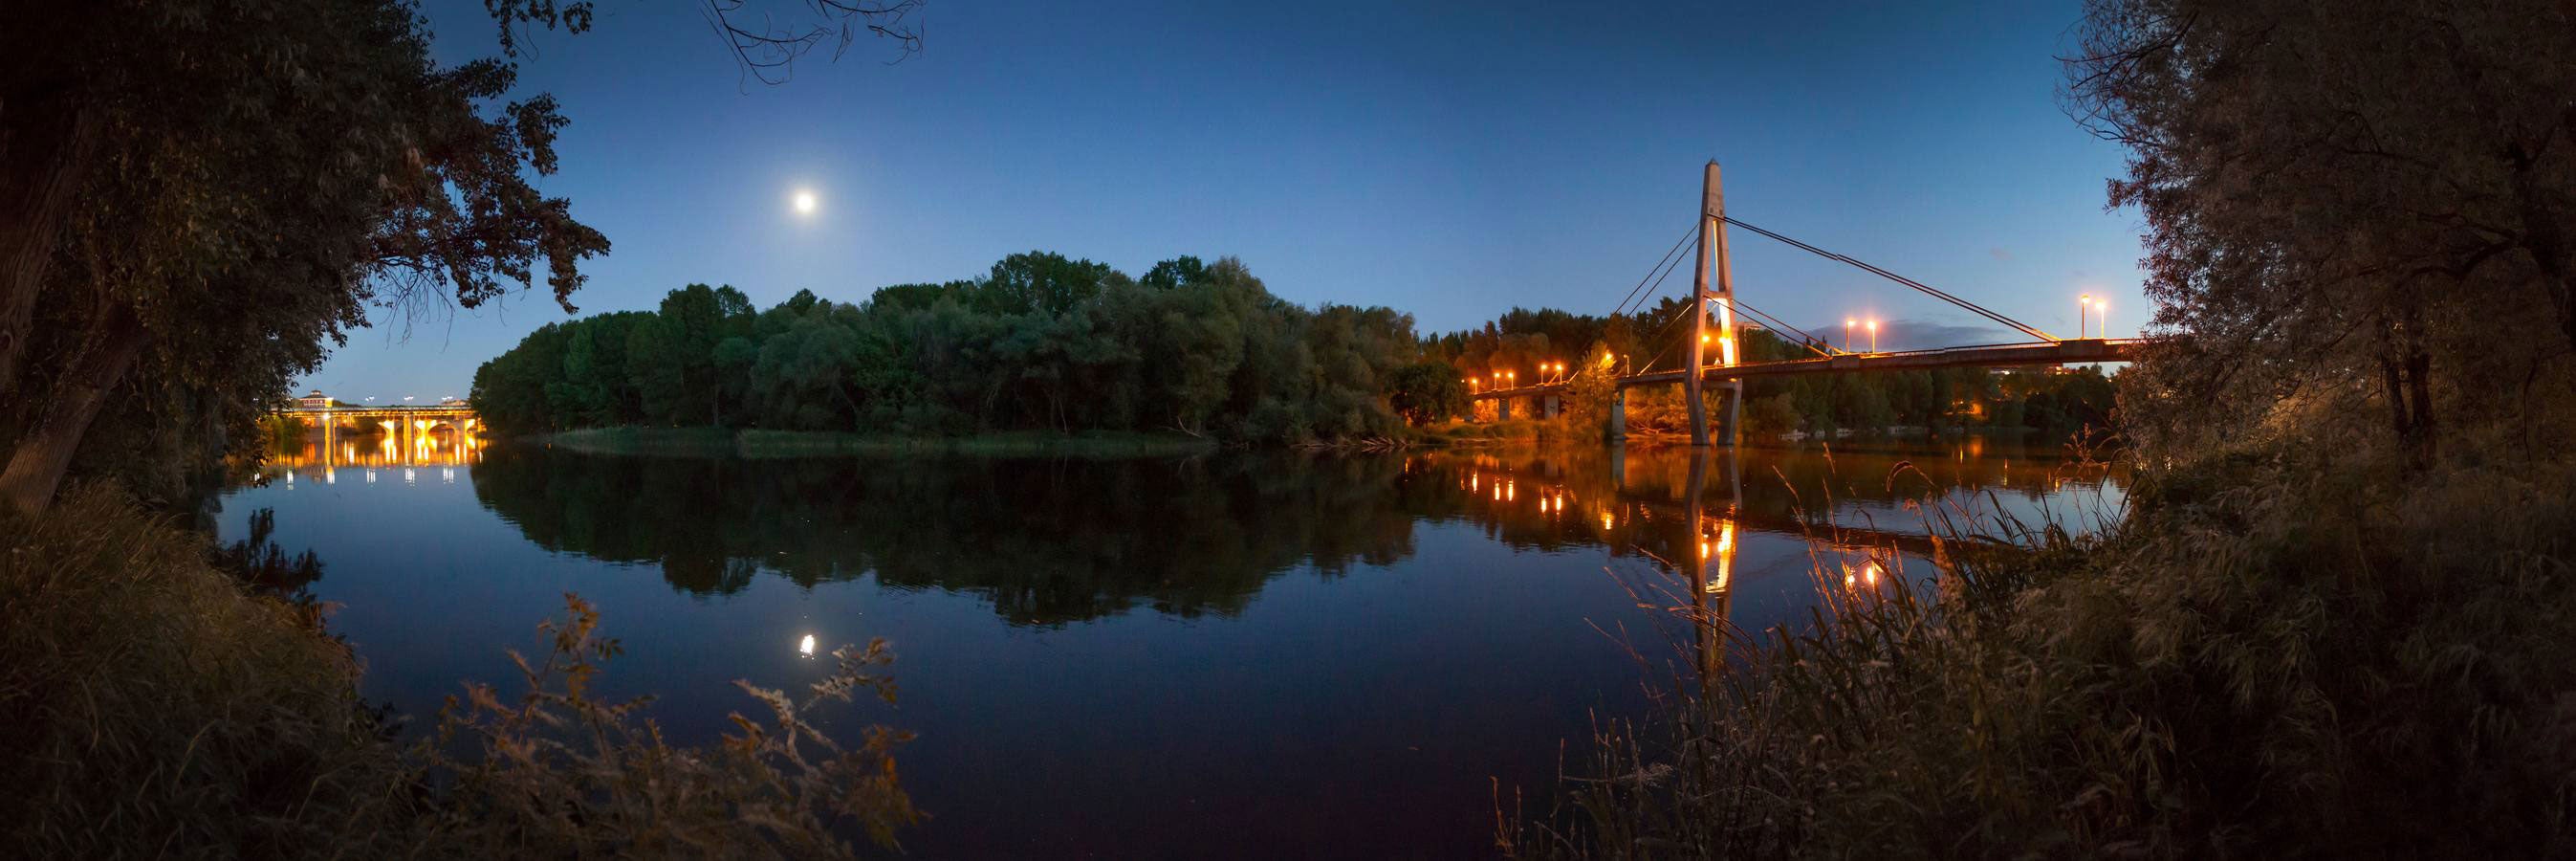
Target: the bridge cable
pixel 1659 334
pixel 1659 285
pixel 1664 265
pixel 1804 340
pixel 1900 279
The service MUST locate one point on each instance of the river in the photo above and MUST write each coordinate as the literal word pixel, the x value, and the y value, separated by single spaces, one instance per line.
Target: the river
pixel 1234 655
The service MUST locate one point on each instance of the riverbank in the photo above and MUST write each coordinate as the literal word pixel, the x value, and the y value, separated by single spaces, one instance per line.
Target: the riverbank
pixel 727 442
pixel 2278 653
pixel 157 706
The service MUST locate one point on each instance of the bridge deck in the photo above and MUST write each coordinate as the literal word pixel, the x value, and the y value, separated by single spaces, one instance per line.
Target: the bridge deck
pixel 1990 356
pixel 381 412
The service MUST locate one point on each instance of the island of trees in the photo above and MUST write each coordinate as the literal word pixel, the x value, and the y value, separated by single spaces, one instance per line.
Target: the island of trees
pixel 1040 342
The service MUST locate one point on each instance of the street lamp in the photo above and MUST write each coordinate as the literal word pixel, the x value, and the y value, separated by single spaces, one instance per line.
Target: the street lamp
pixel 1848 322
pixel 2083 309
pixel 2102 307
pixel 1873 336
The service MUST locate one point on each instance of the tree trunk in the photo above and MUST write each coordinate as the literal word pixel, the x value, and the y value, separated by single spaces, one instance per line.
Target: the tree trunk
pixel 37 465
pixel 45 142
pixel 2405 371
pixel 2419 390
pixel 2546 240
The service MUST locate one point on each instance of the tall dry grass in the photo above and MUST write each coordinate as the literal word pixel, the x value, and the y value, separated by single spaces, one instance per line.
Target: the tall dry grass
pixel 151 706
pixel 2279 655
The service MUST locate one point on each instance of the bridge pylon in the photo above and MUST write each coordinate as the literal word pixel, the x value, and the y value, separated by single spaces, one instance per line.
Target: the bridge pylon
pixel 1711 255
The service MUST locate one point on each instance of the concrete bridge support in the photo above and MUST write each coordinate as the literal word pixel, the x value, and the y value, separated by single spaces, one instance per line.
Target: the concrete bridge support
pixel 1618 416
pixel 1502 409
pixel 1726 423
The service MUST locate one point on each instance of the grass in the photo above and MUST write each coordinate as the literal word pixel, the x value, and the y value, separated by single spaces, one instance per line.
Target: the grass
pixel 2281 654
pixel 724 442
pixel 155 707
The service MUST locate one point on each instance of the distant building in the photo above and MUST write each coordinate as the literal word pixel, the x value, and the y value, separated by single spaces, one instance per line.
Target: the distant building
pixel 316 400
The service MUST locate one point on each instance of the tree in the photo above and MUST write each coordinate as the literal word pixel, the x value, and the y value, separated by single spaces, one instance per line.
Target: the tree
pixel 240 185
pixel 673 357
pixel 1427 391
pixel 1771 416
pixel 2342 201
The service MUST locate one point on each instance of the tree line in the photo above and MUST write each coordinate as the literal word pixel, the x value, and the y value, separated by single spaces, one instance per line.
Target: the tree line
pixel 1041 341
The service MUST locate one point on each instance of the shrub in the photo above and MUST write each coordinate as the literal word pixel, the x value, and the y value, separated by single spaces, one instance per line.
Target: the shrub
pixel 2276 654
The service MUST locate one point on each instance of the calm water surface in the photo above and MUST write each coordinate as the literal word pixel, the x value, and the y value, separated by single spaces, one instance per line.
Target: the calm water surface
pixel 1236 655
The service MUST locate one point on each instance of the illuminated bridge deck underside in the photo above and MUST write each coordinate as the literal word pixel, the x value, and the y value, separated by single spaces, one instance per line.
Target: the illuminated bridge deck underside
pixel 1996 356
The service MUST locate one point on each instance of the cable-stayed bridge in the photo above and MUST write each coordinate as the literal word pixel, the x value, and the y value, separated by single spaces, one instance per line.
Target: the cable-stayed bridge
pixel 1716 332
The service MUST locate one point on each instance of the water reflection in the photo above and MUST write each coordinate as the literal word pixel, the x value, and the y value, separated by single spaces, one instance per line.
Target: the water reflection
pixel 323 455
pixel 1141 658
pixel 1052 542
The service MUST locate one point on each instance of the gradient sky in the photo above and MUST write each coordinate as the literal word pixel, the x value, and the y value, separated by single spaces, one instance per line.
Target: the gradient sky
pixel 1449 160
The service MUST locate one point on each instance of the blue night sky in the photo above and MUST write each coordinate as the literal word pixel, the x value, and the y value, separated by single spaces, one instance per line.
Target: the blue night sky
pixel 1449 160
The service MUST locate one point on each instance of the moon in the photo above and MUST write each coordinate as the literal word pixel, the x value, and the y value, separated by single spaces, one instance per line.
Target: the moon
pixel 805 201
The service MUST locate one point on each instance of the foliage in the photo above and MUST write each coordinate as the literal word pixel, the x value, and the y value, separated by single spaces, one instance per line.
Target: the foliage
pixel 557 755
pixel 2275 655
pixel 158 708
pixel 178 286
pixel 1591 388
pixel 1040 342
pixel 153 707
pixel 2354 207
pixel 1426 392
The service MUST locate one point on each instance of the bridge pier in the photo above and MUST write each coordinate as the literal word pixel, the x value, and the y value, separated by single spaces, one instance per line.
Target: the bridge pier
pixel 1726 424
pixel 1618 430
pixel 1503 409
